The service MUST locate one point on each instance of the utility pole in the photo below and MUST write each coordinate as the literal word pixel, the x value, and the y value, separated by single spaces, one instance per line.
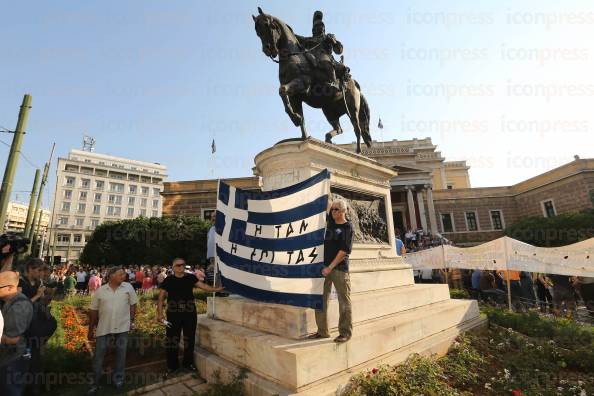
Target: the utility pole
pixel 13 158
pixel 32 202
pixel 37 220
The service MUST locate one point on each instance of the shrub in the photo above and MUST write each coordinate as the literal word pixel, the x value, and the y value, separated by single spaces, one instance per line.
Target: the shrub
pixel 418 375
pixel 232 388
pixel 560 230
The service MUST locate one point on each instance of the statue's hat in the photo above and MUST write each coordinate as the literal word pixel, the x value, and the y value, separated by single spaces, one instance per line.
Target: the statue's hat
pixel 317 18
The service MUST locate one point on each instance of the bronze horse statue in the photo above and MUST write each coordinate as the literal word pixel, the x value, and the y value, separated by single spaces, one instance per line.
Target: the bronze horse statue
pixel 299 83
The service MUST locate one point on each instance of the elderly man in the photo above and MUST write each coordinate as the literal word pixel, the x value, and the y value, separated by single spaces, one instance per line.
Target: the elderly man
pixel 337 247
pixel 112 312
pixel 181 313
pixel 17 312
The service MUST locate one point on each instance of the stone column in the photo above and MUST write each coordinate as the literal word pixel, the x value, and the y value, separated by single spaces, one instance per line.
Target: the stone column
pixel 422 210
pixel 411 208
pixel 432 218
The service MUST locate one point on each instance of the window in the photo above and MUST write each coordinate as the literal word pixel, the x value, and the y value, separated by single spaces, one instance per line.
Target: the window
pixel 82 207
pixel 143 202
pixel 94 223
pixel 111 198
pixel 450 186
pixel 97 197
pixel 130 212
pixel 156 192
pixel 145 190
pixel 447 224
pixel 496 220
pixel 155 203
pixel 85 183
pixel 99 185
pixel 80 222
pixel 70 181
pixel 63 237
pixel 143 212
pixel 155 213
pixel 110 210
pixel 117 211
pixel 133 189
pixel 67 194
pixel 118 199
pixel 82 196
pixel 548 208
pixel 96 209
pixel 77 238
pixel 63 220
pixel 131 201
pixel 66 206
pixel 116 187
pixel 471 221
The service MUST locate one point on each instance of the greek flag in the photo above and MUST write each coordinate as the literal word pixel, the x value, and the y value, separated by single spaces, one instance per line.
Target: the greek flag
pixel 270 244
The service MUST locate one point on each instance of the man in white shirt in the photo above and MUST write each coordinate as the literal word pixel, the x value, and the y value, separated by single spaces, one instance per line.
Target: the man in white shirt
pixel 112 312
pixel 81 280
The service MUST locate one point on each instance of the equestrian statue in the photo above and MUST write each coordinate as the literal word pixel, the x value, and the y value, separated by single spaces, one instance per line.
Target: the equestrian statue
pixel 309 73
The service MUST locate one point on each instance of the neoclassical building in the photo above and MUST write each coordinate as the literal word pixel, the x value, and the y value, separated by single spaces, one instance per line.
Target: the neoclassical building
pixel 434 194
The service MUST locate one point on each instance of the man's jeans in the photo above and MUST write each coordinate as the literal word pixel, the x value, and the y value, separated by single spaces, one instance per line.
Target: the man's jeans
pixel 13 377
pixel 342 284
pixel 121 343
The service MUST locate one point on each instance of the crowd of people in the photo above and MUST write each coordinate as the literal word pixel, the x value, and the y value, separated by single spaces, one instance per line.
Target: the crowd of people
pixel 556 294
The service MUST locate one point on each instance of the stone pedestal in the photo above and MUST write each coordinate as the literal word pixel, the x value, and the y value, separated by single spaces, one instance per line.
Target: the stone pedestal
pixel 392 317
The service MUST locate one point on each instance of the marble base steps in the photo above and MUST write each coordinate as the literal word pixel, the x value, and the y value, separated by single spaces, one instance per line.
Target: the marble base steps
pixel 295 322
pixel 294 364
pixel 256 385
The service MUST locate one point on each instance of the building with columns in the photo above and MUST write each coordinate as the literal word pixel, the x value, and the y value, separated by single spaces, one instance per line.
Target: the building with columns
pixel 434 194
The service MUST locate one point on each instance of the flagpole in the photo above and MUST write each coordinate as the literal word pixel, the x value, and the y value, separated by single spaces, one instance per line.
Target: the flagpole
pixel 216 261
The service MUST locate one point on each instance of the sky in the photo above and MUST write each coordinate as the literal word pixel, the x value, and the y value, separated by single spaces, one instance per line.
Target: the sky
pixel 506 86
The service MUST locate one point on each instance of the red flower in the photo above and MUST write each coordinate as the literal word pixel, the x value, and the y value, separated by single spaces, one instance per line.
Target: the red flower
pixel 374 370
pixel 517 392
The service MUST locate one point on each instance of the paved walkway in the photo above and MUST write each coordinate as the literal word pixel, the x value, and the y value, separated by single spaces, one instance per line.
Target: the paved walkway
pixel 184 385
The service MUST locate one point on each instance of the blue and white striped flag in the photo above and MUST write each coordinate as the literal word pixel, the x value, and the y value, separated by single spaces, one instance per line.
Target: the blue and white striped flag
pixel 270 244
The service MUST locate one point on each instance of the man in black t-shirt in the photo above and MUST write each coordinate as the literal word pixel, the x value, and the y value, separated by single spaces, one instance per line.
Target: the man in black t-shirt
pixel 181 313
pixel 338 243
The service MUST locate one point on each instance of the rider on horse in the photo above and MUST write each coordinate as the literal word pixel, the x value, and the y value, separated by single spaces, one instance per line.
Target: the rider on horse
pixel 319 49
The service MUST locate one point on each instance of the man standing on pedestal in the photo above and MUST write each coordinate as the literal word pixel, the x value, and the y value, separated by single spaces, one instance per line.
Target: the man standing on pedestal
pixel 338 243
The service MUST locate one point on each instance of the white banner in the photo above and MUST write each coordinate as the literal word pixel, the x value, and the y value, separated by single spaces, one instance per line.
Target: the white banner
pixel 507 253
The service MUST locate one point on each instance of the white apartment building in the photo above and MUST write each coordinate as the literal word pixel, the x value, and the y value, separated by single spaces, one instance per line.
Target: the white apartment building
pixel 92 188
pixel 17 216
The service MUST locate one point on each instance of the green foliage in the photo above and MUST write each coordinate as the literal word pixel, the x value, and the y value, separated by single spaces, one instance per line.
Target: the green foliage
pixel 560 230
pixel 153 241
pixel 459 359
pixel 459 293
pixel 418 375
pixel 233 388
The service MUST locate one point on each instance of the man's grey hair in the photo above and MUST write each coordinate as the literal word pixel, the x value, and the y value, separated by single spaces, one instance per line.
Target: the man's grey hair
pixel 341 203
pixel 113 270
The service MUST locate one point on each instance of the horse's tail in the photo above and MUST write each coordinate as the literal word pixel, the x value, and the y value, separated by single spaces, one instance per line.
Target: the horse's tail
pixel 364 118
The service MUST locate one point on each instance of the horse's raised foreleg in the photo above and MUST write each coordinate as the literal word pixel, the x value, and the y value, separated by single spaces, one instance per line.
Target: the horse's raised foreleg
pixel 336 130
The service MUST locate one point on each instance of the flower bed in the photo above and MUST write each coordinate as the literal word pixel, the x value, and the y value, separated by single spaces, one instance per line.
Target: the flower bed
pixel 497 361
pixel 75 335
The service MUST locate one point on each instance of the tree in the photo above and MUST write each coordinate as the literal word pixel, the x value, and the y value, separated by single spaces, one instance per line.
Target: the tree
pixel 560 230
pixel 151 241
